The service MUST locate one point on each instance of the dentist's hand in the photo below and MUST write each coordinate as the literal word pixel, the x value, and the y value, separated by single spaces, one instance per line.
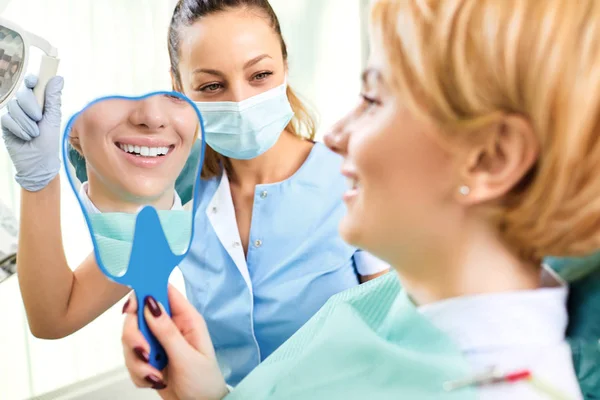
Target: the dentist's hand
pixel 33 138
pixel 192 371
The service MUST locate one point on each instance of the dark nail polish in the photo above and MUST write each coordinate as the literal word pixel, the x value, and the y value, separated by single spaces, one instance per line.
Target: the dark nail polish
pixel 142 354
pixel 126 305
pixel 153 306
pixel 156 383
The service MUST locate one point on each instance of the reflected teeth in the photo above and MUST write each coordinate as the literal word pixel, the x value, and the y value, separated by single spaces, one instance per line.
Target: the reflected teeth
pixel 144 151
pixel 352 183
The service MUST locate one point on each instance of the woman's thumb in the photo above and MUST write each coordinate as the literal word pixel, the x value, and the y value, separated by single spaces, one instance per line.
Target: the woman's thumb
pixel 164 329
pixel 190 323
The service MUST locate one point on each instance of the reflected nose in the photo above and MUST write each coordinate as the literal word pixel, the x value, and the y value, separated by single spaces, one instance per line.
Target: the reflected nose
pixel 149 114
pixel 337 137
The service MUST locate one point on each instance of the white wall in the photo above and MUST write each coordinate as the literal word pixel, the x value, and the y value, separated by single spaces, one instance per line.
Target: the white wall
pixel 114 46
pixel 325 53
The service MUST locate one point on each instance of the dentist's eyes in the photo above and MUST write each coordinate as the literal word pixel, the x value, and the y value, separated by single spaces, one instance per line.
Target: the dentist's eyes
pixel 262 75
pixel 210 88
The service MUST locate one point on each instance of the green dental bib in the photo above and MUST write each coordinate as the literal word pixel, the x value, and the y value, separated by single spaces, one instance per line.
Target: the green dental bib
pixel 369 342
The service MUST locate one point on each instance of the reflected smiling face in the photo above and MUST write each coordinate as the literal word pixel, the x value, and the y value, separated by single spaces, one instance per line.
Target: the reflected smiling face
pixel 135 149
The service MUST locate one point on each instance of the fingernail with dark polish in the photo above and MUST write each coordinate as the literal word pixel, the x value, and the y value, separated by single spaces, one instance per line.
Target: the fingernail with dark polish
pixel 153 306
pixel 156 383
pixel 142 354
pixel 126 305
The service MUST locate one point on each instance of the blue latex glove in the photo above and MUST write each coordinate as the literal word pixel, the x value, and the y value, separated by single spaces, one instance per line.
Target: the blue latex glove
pixel 33 138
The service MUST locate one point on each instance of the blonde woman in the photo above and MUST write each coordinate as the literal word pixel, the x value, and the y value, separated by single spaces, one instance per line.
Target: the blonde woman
pixel 473 155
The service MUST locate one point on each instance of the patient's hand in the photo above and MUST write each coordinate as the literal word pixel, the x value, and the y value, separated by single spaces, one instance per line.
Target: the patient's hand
pixel 192 372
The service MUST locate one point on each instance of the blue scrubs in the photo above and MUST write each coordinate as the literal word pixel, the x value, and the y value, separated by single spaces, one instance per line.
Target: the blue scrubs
pixel 296 260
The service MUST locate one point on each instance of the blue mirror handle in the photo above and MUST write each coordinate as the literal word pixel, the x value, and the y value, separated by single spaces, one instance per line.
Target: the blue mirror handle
pixel 158 356
pixel 148 274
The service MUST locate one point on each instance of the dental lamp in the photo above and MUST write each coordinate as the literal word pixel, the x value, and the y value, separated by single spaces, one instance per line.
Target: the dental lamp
pixel 15 43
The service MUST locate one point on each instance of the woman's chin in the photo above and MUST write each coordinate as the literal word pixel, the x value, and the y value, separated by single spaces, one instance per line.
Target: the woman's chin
pixel 144 194
pixel 351 230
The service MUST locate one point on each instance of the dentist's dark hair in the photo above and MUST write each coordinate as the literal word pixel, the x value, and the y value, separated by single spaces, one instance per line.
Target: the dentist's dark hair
pixel 188 12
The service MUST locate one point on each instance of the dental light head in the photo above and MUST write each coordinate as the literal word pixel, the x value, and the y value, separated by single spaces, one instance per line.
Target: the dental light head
pixel 15 44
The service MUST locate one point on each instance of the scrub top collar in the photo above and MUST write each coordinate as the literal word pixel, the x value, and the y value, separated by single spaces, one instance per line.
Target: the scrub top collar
pixel 221 211
pixel 92 209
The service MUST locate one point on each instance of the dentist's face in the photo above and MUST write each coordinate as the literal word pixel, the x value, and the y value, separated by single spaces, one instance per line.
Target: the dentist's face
pixel 230 56
pixel 135 149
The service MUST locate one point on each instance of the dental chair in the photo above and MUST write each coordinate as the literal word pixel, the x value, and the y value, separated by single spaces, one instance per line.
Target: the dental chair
pixel 583 331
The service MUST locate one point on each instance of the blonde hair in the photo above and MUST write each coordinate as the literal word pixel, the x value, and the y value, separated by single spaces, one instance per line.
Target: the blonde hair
pixel 462 64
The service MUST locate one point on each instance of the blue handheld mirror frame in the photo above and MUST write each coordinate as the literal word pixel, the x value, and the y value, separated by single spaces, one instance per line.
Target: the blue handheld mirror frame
pixel 151 260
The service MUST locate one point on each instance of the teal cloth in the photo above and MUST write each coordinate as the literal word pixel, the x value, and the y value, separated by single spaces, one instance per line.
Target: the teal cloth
pixel 368 342
pixel 583 331
pixel 351 350
pixel 113 233
pixel 184 185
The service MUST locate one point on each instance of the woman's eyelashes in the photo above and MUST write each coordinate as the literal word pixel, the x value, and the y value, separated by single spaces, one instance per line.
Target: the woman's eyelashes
pixel 261 76
pixel 368 102
pixel 174 98
pixel 215 87
pixel 212 87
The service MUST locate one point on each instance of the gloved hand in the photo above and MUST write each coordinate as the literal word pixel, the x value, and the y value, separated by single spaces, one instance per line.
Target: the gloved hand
pixel 33 138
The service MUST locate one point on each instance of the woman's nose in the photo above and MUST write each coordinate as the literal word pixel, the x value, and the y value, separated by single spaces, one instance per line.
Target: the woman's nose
pixel 240 92
pixel 337 138
pixel 239 89
pixel 150 114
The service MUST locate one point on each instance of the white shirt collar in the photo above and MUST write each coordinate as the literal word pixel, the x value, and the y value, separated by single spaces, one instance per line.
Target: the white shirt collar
pixel 221 214
pixel 490 321
pixel 92 209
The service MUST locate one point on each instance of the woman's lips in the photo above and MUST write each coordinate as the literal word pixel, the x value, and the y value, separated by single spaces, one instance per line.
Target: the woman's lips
pixel 144 156
pixel 353 186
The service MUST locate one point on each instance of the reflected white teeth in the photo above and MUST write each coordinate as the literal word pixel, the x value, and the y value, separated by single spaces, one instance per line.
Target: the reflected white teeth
pixel 352 183
pixel 144 151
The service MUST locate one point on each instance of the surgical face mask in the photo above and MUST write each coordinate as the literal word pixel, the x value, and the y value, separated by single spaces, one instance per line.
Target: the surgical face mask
pixel 247 129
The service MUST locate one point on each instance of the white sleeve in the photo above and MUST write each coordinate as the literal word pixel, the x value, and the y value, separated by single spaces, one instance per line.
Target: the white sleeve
pixel 367 264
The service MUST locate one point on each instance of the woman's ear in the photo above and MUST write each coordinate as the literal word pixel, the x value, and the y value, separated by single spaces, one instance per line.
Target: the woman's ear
pixel 74 141
pixel 508 151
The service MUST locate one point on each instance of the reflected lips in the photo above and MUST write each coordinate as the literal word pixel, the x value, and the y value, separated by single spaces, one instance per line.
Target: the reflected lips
pixel 146 155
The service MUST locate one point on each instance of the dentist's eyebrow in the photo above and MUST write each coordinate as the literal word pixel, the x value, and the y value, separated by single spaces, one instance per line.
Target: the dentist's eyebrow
pixel 215 72
pixel 256 60
pixel 209 71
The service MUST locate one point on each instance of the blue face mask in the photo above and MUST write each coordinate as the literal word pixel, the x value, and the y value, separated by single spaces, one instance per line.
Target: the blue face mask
pixel 247 129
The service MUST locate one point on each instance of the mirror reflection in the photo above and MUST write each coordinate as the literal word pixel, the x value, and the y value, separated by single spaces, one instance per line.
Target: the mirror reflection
pixel 12 54
pixel 133 150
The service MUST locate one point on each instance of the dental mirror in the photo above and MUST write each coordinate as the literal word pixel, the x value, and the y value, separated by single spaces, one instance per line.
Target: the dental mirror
pixel 131 151
pixel 14 57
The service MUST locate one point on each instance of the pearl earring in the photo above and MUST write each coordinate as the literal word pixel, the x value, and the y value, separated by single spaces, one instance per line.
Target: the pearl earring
pixel 464 190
